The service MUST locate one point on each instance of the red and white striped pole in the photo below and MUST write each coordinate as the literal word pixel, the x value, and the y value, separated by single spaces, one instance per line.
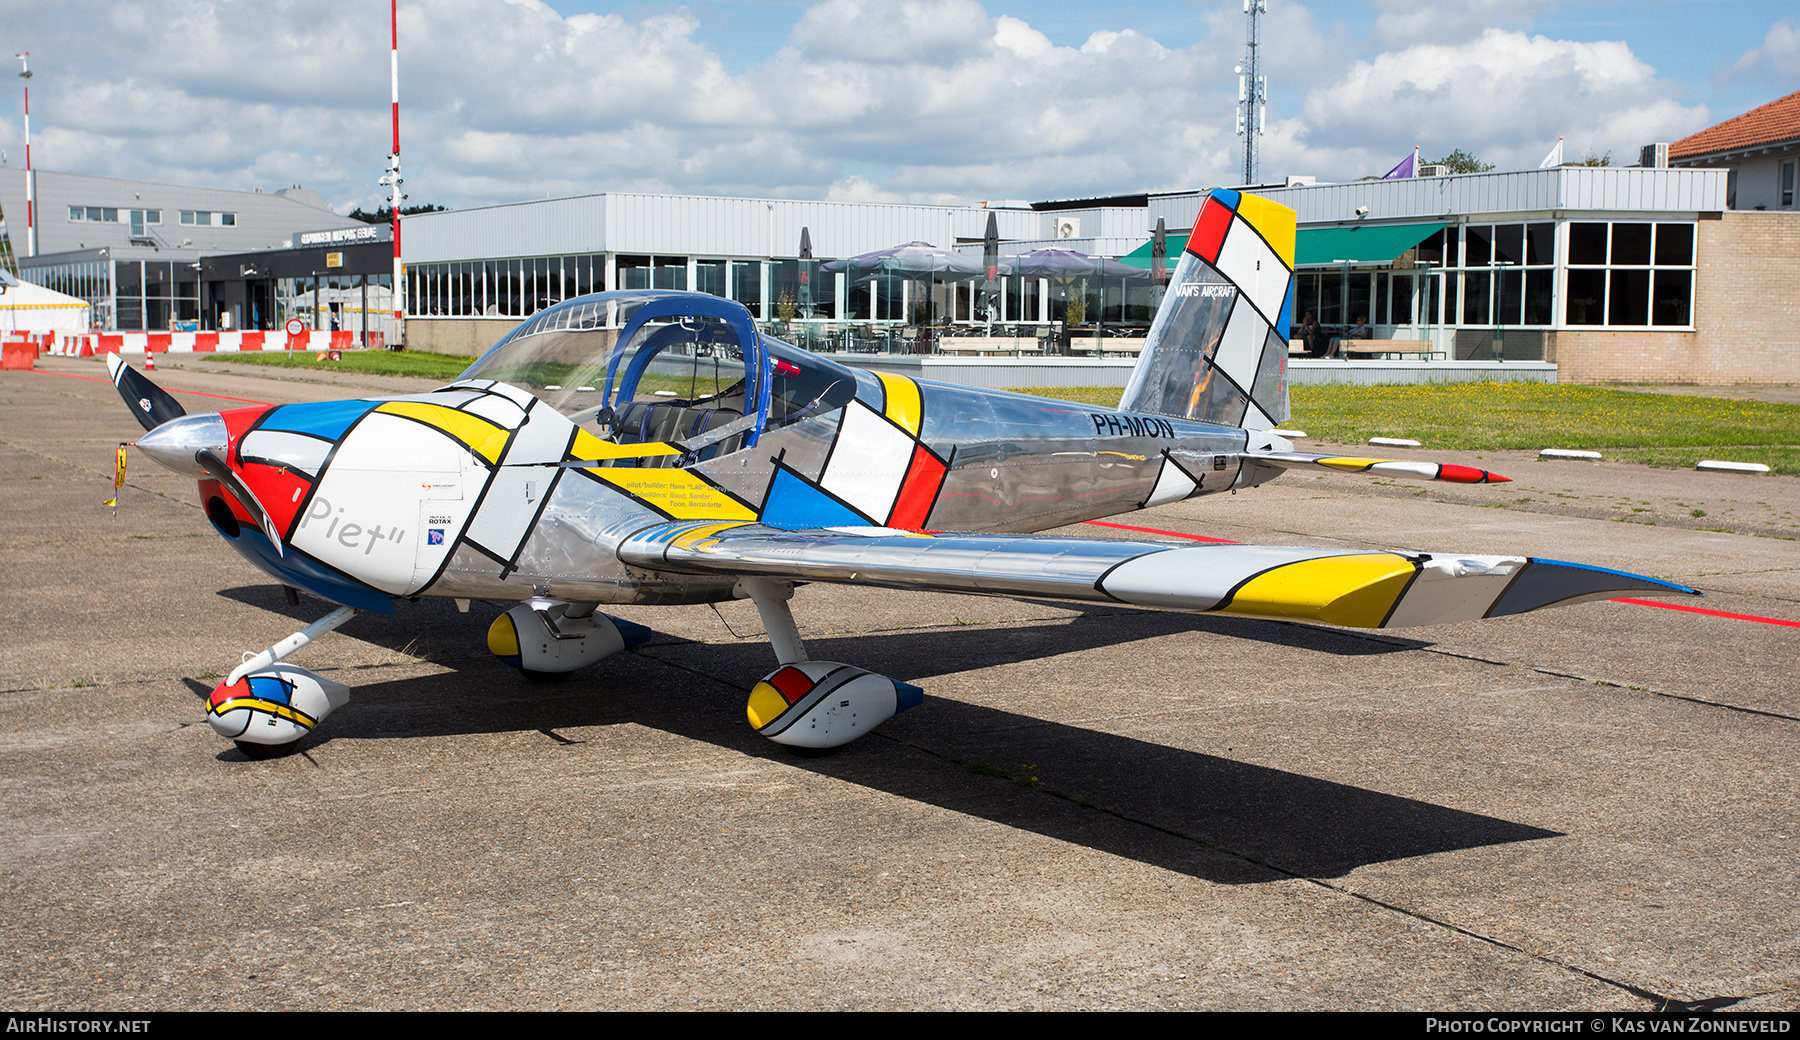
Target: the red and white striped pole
pixel 394 179
pixel 30 176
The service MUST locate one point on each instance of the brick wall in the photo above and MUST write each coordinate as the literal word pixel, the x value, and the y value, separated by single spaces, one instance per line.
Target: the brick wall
pixel 1746 316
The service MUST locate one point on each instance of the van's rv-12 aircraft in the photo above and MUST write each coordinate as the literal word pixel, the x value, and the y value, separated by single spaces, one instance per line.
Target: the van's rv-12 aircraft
pixel 552 472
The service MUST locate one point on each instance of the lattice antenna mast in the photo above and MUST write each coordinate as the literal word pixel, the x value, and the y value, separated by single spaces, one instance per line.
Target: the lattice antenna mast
pixel 1253 88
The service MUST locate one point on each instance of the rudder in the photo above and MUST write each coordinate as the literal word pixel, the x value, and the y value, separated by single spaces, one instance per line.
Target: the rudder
pixel 1218 349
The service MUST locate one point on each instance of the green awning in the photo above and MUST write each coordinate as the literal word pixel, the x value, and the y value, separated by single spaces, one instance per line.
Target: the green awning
pixel 1358 244
pixel 1140 257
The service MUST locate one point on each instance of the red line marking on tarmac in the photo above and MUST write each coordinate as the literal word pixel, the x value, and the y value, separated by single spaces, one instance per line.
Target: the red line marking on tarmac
pixel 1709 613
pixel 1171 534
pixel 170 389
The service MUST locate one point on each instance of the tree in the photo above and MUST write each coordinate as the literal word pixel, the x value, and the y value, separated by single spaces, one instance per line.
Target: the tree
pixel 385 215
pixel 1590 159
pixel 1460 161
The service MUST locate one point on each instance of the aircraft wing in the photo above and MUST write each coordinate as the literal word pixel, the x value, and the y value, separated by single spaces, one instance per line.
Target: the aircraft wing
pixel 1357 588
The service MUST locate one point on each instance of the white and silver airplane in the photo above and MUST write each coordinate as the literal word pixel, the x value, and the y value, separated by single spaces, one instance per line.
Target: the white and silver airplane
pixel 553 472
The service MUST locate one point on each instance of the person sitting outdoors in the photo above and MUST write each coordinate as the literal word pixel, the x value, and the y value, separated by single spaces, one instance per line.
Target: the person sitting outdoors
pixel 1312 336
pixel 1361 329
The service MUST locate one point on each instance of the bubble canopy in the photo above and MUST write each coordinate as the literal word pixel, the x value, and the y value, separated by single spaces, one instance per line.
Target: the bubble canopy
pixel 620 357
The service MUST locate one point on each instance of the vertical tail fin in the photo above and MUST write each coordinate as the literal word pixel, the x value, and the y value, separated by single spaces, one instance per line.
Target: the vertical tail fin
pixel 1218 348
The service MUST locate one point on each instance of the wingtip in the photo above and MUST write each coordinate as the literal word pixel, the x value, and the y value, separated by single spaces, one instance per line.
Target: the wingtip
pixel 1469 475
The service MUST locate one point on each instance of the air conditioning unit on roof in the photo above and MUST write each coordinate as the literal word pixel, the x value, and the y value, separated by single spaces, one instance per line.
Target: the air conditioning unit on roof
pixel 1068 227
pixel 1434 171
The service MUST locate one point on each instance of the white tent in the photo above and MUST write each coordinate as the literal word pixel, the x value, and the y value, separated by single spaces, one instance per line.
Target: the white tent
pixel 25 307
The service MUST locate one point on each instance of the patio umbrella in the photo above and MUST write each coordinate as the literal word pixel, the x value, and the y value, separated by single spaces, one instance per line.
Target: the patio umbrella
pixel 807 267
pixel 990 264
pixel 1159 253
pixel 912 258
pixel 1065 267
pixel 1067 263
pixel 919 261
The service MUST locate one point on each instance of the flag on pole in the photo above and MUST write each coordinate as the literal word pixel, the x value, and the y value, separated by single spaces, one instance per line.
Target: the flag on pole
pixel 1554 159
pixel 1407 167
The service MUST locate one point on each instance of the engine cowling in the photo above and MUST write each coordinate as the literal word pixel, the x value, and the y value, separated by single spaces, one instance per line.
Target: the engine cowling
pixel 822 704
pixel 543 639
pixel 276 705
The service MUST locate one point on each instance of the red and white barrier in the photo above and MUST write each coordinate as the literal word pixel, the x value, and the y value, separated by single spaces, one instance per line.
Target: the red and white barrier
pixel 90 343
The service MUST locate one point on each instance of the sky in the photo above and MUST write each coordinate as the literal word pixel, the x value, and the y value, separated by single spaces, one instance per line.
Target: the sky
pixel 869 100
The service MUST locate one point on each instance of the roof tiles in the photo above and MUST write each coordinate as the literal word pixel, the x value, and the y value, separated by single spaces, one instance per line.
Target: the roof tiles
pixel 1777 121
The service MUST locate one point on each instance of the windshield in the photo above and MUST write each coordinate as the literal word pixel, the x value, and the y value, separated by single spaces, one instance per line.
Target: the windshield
pixel 663 366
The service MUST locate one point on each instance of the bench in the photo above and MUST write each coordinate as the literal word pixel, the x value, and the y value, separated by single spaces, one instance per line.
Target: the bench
pixel 1387 349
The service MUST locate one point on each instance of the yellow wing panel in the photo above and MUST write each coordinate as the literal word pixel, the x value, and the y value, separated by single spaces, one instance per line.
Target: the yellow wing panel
pixel 1356 591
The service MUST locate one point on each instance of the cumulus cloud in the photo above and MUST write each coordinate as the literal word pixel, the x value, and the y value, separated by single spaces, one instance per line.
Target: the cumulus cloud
pixel 1778 58
pixel 915 100
pixel 1401 23
pixel 1504 95
pixel 926 31
pixel 506 99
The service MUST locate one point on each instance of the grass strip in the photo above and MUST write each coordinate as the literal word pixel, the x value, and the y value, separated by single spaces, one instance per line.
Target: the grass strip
pixel 365 362
pixel 1626 425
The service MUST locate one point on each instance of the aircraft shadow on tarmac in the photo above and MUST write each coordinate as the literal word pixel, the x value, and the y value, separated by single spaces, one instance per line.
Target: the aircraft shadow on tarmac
pixel 1206 816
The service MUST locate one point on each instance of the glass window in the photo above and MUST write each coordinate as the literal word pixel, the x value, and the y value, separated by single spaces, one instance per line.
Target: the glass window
pixel 1403 299
pixel 1358 304
pixel 709 277
pixel 77 213
pixel 671 272
pixel 131 278
pixel 633 272
pixel 1587 243
pixel 1478 249
pixel 1538 284
pixel 1787 183
pixel 1432 249
pixel 1674 245
pixel 1622 295
pixel 1586 302
pixel 1629 299
pixel 1475 298
pixel 746 285
pixel 157 280
pixel 1540 243
pixel 1631 244
pixel 1674 298
pixel 1509 297
pixel 1509 244
pixel 228 220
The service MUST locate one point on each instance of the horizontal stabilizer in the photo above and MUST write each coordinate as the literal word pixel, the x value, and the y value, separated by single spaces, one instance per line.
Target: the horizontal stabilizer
pixel 1382 467
pixel 1336 586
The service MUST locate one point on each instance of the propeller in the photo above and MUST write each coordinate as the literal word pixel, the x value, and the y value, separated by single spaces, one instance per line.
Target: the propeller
pixel 174 437
pixel 150 403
